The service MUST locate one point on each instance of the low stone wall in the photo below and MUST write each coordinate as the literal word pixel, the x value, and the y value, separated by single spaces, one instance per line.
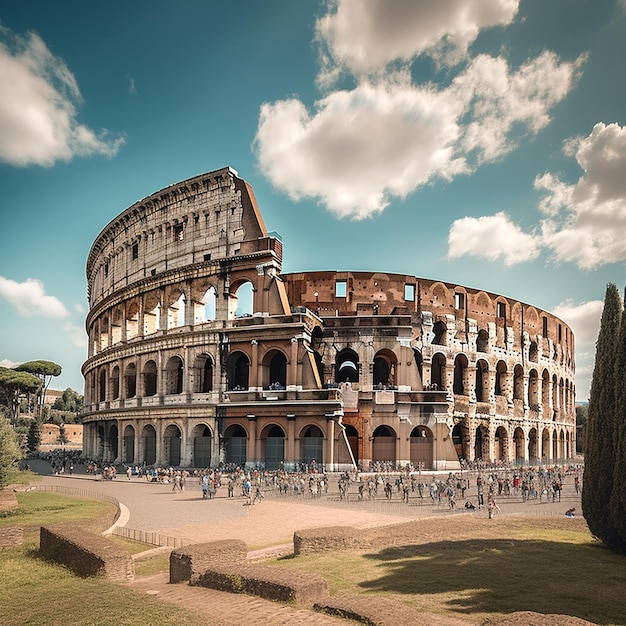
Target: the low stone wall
pixel 333 538
pixel 85 553
pixel 223 565
pixel 11 537
pixel 299 588
pixel 190 562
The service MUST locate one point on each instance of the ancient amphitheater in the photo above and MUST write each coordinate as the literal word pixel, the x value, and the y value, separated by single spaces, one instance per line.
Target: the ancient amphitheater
pixel 202 352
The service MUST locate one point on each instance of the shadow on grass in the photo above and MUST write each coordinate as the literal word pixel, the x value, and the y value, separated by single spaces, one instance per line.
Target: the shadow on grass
pixel 506 575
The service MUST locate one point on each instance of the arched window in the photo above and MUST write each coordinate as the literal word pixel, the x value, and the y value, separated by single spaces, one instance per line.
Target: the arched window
pixel 347 367
pixel 150 378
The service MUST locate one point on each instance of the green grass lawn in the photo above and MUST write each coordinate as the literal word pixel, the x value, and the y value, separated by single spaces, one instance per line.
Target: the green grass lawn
pixel 548 572
pixel 36 592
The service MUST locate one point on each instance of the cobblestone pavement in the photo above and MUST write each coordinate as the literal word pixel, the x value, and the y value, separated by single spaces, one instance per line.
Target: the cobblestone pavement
pixel 267 526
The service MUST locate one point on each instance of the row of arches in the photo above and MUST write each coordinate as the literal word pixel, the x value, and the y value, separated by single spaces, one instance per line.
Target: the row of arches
pixel 166 309
pixel 516 446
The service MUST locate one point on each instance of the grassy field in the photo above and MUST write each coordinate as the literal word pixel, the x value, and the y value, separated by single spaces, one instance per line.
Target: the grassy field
pixel 39 593
pixel 522 568
pixel 492 568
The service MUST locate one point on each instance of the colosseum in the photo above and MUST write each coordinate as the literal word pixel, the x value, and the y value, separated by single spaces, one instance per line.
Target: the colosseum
pixel 201 352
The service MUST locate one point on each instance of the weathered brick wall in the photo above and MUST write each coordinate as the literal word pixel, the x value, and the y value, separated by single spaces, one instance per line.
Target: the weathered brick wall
pixel 85 553
pixel 300 588
pixel 190 562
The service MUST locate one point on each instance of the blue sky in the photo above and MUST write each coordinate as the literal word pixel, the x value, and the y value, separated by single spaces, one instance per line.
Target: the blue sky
pixel 480 142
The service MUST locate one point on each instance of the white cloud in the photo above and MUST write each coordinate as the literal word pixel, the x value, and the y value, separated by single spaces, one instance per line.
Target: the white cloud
pixel 585 221
pixel 364 37
pixel 584 320
pixel 38 116
pixel 359 148
pixel 493 238
pixel 8 363
pixel 29 298
pixel 77 334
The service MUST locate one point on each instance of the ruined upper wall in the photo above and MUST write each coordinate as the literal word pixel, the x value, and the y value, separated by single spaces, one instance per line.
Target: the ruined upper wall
pixel 378 293
pixel 206 218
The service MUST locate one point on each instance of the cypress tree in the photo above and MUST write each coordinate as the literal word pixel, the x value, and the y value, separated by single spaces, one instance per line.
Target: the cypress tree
pixel 617 505
pixel 599 440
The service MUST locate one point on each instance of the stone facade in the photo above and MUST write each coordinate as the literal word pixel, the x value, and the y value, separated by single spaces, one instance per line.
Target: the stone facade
pixel 333 367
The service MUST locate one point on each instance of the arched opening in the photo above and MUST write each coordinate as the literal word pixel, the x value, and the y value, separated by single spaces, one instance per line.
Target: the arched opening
pixel 384 444
pixel 152 314
pixel 500 383
pixel 481 444
pixel 129 445
pixel 131 380
pixel 235 445
pixel 148 441
pixel 533 352
pixel 103 386
pixel 482 381
pixel 274 370
pixel 384 369
pixel 460 367
pixel 241 301
pixel 174 375
pixel 149 378
pixel 533 390
pixel 273 442
pixel 545 445
pixel 482 341
pixel 421 447
pixel 132 320
pixel 112 443
pixel 518 439
pixel 176 312
pixel 518 383
pixel 209 303
pixel 237 371
pixel 533 447
pixel 347 367
pixel 440 334
pixel 438 372
pixel 501 444
pixel 312 445
pixel 458 439
pixel 171 445
pixel 202 442
pixel 115 383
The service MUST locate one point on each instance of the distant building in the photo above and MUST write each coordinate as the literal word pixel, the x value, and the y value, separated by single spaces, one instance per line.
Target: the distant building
pixel 50 434
pixel 336 367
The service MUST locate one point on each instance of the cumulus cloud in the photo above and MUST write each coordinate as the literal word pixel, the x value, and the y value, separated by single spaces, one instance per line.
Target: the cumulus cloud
pixel 584 320
pixel 38 108
pixel 365 37
pixel 77 334
pixel 29 298
pixel 8 363
pixel 585 221
pixel 359 148
pixel 495 238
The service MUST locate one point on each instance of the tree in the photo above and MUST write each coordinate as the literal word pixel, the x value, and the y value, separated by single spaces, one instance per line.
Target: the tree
pixel 14 383
pixel 600 438
pixel 10 451
pixel 617 505
pixel 33 439
pixel 44 370
pixel 70 401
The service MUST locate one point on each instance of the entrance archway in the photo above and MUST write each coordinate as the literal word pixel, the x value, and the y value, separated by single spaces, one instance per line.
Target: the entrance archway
pixel 235 445
pixel 421 447
pixel 171 443
pixel 384 444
